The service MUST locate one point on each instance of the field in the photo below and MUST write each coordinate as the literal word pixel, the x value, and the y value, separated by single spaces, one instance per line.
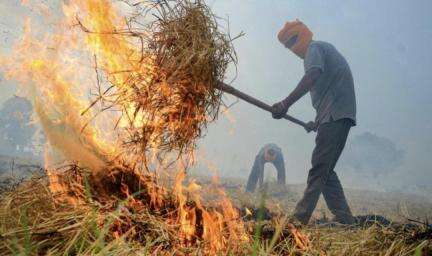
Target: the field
pixel 395 206
pixel 36 225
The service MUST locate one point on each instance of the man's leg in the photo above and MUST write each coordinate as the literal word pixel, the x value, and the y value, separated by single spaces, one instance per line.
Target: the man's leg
pixel 330 140
pixel 335 198
pixel 256 171
pixel 332 191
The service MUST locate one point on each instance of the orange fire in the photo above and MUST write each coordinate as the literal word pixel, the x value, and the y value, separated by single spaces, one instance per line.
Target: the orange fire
pixel 219 228
pixel 55 66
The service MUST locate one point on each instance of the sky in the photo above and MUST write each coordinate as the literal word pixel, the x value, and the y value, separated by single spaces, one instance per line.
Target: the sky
pixel 387 44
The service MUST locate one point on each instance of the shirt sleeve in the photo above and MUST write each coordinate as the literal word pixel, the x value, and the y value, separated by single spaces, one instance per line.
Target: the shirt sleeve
pixel 314 58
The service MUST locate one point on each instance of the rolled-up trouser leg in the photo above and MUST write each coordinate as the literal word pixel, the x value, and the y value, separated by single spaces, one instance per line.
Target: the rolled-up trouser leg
pixel 257 170
pixel 330 141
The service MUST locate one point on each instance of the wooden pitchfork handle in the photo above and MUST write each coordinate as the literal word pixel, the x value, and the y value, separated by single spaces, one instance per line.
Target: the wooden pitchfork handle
pixel 233 91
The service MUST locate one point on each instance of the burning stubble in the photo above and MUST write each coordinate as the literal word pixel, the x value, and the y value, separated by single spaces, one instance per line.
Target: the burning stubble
pixel 152 94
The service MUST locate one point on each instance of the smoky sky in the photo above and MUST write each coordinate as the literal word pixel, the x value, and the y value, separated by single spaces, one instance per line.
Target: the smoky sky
pixel 370 154
pixel 387 44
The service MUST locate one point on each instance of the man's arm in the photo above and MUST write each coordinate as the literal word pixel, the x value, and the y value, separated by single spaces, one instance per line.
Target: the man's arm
pixel 255 174
pixel 304 86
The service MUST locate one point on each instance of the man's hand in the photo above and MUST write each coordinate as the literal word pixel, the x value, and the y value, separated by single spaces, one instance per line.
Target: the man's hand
pixel 305 85
pixel 310 126
pixel 279 110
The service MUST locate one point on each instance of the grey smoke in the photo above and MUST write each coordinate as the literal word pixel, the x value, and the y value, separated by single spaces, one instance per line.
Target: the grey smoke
pixel 17 129
pixel 372 155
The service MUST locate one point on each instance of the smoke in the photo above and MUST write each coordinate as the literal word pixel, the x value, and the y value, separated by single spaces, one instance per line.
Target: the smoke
pixel 372 155
pixel 17 131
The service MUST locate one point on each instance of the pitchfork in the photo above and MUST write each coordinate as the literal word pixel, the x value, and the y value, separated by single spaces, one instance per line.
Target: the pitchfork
pixel 233 91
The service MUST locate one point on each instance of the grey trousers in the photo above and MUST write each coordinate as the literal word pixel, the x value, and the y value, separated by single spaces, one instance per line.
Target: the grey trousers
pixel 329 143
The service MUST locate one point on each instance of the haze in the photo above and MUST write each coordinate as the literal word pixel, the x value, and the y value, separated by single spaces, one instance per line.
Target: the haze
pixel 387 44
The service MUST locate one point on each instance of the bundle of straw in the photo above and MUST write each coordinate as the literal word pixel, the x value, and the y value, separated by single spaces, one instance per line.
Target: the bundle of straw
pixel 170 95
pixel 192 55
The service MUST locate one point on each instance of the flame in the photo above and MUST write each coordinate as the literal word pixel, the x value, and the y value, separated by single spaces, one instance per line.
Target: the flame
pixel 219 228
pixel 55 68
pixel 46 70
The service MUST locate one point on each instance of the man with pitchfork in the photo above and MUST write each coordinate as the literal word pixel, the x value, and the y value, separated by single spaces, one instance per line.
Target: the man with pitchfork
pixel 329 81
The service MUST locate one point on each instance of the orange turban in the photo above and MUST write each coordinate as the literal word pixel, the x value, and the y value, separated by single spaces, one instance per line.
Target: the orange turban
pixel 304 36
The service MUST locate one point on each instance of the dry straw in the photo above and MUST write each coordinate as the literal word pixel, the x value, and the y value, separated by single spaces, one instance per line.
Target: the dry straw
pixel 170 94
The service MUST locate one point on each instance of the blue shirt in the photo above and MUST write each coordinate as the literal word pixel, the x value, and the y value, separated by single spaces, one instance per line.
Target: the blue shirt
pixel 333 95
pixel 274 147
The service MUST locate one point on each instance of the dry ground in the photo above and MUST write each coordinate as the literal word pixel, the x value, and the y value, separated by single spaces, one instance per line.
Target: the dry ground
pixel 395 206
pixel 85 238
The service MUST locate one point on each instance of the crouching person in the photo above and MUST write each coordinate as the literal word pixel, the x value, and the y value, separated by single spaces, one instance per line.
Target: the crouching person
pixel 270 153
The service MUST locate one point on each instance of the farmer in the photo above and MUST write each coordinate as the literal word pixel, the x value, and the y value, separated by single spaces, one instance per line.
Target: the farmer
pixel 270 153
pixel 328 79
